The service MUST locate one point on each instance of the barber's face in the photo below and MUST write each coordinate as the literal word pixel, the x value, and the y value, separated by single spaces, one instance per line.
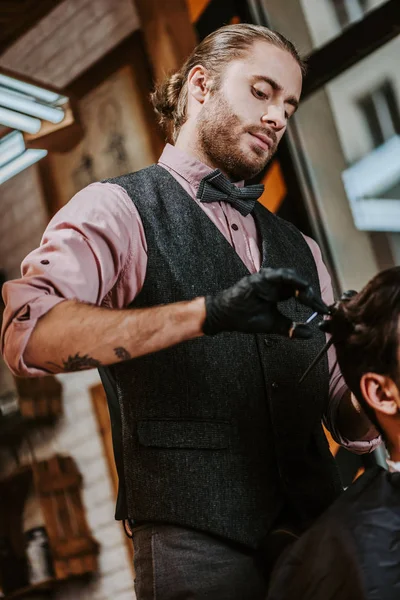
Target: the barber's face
pixel 242 122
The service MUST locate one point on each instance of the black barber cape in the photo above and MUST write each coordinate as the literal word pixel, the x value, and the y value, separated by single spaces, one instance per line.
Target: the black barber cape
pixel 352 552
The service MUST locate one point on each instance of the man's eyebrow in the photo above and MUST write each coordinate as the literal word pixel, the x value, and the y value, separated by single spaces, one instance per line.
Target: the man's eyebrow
pixel 277 88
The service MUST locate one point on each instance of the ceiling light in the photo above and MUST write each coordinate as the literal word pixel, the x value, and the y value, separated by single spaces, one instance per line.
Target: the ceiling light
pixel 16 120
pixel 30 107
pixel 11 146
pixel 32 90
pixel 44 117
pixel 25 160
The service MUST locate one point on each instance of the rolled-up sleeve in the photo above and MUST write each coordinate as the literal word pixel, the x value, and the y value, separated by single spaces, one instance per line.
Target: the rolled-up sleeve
pixel 337 385
pixel 93 250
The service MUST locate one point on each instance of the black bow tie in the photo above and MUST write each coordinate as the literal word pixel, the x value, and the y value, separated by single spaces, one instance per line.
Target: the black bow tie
pixel 215 187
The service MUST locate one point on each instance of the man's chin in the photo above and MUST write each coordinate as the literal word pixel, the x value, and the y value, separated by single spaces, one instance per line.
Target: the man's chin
pixel 254 167
pixel 253 153
pixel 244 164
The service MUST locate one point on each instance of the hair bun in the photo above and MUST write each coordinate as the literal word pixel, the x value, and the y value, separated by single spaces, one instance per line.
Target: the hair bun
pixel 166 96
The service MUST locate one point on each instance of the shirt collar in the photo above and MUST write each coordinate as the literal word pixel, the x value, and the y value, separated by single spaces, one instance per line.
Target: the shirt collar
pixel 188 167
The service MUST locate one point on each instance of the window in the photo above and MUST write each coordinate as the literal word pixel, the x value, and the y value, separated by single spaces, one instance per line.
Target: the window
pixel 349 11
pixel 381 113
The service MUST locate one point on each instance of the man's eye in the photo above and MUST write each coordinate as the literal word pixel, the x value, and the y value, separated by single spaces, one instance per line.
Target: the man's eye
pixel 259 94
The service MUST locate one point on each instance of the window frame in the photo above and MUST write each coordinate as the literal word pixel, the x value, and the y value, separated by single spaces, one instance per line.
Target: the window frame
pixel 373 105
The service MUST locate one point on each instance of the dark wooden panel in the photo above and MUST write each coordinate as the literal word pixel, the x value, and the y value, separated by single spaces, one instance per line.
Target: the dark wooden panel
pixel 18 16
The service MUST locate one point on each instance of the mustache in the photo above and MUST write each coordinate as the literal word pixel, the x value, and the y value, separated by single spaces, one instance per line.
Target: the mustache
pixel 264 131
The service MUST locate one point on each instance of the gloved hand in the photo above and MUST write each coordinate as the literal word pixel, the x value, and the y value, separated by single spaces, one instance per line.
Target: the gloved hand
pixel 250 306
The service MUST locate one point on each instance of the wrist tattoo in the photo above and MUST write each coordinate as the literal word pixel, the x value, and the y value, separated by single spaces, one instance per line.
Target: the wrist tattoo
pixel 77 363
pixel 122 353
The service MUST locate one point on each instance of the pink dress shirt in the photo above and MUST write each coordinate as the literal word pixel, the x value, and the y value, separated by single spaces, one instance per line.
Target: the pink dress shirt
pixel 94 250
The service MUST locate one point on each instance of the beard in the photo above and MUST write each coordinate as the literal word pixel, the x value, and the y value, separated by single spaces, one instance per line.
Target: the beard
pixel 220 131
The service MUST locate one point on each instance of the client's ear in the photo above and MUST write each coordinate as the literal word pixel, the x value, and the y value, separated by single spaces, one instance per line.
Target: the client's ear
pixel 380 392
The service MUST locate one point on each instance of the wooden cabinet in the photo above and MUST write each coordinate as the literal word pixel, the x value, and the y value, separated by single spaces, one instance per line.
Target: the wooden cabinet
pixel 58 483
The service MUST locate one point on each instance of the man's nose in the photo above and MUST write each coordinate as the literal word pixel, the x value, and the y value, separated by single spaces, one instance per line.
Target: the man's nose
pixel 275 118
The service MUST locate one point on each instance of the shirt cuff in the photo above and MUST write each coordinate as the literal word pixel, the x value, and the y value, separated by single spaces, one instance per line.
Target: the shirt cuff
pixel 368 443
pixel 18 333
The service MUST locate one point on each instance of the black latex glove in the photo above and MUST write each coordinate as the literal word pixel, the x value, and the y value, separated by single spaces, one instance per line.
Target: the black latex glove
pixel 250 306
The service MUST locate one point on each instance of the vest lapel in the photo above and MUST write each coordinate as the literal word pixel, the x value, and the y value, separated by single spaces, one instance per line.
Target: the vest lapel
pixel 275 254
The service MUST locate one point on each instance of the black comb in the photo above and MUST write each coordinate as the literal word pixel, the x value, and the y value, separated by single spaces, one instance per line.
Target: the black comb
pixel 343 298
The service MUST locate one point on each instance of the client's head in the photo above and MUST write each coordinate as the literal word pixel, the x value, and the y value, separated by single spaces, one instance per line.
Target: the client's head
pixel 365 331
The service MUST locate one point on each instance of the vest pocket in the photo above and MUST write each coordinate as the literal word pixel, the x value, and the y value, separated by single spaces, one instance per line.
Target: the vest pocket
pixel 167 433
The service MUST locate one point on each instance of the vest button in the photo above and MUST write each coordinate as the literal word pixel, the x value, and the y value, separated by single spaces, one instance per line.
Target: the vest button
pixel 274 385
pixel 268 343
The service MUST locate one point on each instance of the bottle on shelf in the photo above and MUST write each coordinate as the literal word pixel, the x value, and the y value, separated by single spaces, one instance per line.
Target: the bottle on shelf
pixel 38 555
pixel 37 547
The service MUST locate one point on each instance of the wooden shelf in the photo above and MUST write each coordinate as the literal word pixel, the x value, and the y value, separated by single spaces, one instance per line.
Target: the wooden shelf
pixel 31 590
pixel 11 429
pixel 14 429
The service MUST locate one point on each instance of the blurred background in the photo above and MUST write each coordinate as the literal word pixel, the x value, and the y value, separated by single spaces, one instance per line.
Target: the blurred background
pixel 75 78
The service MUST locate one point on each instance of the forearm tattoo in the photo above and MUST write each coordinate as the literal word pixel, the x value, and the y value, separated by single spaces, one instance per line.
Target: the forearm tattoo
pixel 77 363
pixel 80 363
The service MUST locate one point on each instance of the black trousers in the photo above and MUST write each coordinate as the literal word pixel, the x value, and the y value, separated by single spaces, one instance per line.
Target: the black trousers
pixel 177 563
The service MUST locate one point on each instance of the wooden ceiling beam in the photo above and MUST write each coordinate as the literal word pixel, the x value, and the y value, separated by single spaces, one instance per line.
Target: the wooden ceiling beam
pixel 168 33
pixel 18 17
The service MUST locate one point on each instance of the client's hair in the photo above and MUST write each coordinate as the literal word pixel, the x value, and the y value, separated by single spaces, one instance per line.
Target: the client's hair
pixel 365 332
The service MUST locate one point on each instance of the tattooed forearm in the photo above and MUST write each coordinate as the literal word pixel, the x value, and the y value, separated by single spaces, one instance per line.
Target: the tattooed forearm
pixel 99 336
pixel 80 363
pixel 77 363
pixel 122 353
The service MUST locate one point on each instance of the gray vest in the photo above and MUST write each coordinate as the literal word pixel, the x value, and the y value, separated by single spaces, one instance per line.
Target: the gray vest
pixel 215 433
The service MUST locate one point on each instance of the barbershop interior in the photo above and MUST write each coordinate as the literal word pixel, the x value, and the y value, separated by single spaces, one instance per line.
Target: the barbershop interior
pixel 76 78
